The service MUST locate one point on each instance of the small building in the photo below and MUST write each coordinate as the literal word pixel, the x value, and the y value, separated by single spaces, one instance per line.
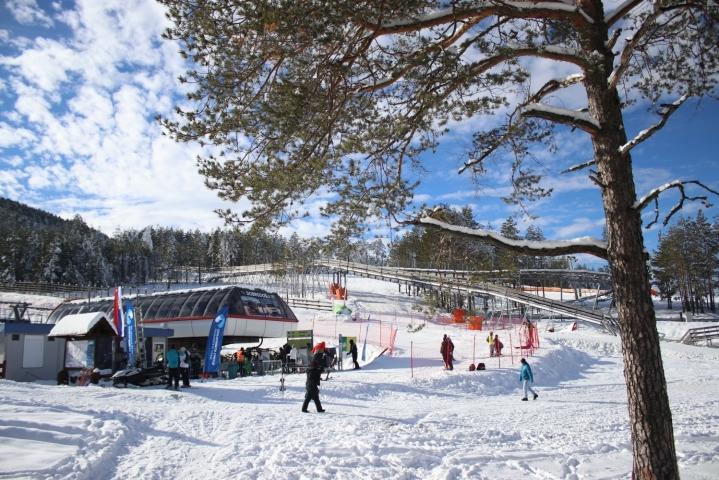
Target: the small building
pixel 89 341
pixel 27 354
pixel 92 342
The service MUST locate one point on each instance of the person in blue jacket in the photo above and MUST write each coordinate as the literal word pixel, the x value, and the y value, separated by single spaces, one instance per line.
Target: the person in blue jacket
pixel 525 375
pixel 173 367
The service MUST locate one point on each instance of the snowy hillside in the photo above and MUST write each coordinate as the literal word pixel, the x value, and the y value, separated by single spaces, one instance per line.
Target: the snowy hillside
pixel 385 421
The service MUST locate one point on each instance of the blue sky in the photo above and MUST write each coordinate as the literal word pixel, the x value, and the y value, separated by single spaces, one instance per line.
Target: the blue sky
pixel 81 82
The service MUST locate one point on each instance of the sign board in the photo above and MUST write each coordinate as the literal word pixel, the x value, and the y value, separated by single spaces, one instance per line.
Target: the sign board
pixel 345 343
pixel 300 338
pixel 80 354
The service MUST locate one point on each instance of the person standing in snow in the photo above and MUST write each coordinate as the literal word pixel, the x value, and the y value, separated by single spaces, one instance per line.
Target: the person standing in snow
pixel 526 377
pixel 173 367
pixel 447 350
pixel 195 363
pixel 314 375
pixel 353 352
pixel 184 357
pixel 490 342
pixel 240 357
pixel 498 345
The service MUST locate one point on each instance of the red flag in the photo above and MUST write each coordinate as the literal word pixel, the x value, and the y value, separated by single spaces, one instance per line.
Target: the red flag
pixel 117 312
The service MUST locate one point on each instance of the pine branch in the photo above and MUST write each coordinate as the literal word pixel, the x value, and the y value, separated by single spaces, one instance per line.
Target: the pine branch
pixel 631 46
pixel 484 9
pixel 579 166
pixel 581 120
pixel 669 109
pixel 653 196
pixel 586 245
pixel 549 87
pixel 611 18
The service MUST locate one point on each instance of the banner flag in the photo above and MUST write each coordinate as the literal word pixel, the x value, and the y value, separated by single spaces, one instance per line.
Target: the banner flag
pixel 364 346
pixel 130 334
pixel 117 314
pixel 214 341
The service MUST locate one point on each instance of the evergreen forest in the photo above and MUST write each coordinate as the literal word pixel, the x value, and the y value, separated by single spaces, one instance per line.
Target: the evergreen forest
pixel 37 246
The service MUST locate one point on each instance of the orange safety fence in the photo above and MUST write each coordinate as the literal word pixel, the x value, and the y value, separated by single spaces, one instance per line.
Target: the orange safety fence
pixel 337 292
pixel 475 322
pixel 379 332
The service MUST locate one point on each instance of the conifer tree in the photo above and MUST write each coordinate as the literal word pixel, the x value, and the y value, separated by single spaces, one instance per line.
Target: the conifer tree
pixel 340 97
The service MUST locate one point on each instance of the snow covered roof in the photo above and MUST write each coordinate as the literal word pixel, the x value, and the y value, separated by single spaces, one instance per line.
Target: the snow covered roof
pixel 78 324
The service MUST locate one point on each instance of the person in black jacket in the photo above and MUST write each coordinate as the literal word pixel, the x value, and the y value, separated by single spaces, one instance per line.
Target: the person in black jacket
pixel 353 352
pixel 312 385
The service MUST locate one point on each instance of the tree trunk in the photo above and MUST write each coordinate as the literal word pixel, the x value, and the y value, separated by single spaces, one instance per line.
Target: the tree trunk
pixel 649 413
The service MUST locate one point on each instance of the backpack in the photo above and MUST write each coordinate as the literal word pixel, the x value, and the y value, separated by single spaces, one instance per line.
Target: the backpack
pixel 471 367
pixel 480 366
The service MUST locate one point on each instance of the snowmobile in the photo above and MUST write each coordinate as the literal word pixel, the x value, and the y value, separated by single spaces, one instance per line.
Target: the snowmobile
pixel 141 377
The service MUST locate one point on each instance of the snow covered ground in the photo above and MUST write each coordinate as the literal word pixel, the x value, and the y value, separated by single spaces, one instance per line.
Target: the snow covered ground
pixel 386 421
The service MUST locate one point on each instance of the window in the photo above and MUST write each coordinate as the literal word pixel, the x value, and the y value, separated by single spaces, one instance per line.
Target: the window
pixel 15 337
pixel 33 352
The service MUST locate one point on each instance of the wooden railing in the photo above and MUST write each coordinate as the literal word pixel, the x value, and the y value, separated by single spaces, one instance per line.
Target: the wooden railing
pixel 700 334
pixel 309 303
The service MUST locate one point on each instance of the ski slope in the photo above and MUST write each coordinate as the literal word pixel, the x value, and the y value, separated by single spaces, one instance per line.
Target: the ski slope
pixel 386 421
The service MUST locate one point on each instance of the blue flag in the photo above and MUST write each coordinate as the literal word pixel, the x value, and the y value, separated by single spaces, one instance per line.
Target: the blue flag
pixel 214 341
pixel 130 334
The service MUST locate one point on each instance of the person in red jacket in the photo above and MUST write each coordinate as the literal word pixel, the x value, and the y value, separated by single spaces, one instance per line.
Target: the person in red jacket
pixel 447 349
pixel 498 345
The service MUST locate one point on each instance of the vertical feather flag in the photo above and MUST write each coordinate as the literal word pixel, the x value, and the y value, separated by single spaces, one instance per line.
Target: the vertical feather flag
pixel 117 313
pixel 214 341
pixel 130 334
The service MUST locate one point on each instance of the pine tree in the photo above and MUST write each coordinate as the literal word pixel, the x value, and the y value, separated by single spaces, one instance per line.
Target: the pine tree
pixel 343 97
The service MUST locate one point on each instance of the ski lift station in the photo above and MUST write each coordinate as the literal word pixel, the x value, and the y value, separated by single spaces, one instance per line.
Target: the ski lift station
pixel 253 313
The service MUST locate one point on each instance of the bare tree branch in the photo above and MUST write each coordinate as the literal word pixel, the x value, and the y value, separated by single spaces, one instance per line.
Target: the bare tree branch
pixel 653 196
pixel 580 120
pixel 645 134
pixel 586 245
pixel 579 166
pixel 615 36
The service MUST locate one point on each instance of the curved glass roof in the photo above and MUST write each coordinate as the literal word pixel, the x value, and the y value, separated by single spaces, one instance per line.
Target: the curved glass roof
pixel 191 305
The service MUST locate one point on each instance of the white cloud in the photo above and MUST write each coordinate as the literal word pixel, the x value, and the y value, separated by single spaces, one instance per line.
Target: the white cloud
pixel 55 176
pixel 578 227
pixel 28 12
pixel 84 114
pixel 14 161
pixel 10 185
pixel 13 137
pixel 649 178
pixel 569 183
